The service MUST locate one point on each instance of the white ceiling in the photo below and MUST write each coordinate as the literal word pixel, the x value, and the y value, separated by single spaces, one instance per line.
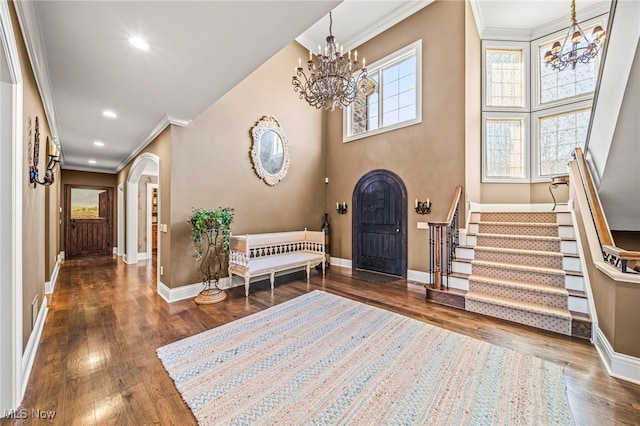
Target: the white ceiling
pixel 199 51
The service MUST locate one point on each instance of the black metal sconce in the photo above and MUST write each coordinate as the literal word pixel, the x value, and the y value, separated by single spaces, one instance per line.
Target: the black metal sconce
pixel 423 207
pixel 341 207
pixel 54 158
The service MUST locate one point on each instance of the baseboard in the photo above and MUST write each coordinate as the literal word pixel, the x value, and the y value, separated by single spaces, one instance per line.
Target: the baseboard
pixel 125 259
pixel 187 291
pixel 29 353
pixel 143 256
pixel 419 276
pixel 61 255
pixel 50 285
pixel 115 250
pixel 620 366
pixel 345 263
pixel 542 207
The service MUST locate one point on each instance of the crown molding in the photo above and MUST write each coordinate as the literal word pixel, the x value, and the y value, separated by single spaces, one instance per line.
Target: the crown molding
pixel 402 12
pixel 164 122
pixel 30 26
pixel 78 168
pixel 386 22
pixel 514 34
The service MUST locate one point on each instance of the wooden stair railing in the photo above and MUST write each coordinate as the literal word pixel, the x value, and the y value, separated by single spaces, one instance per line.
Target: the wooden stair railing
pixel 617 257
pixel 443 240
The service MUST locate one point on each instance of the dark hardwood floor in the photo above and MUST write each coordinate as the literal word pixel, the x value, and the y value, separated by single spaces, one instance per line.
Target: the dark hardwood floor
pixel 97 362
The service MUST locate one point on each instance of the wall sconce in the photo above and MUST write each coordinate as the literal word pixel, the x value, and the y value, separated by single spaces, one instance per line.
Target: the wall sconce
pixel 423 207
pixel 341 207
pixel 34 154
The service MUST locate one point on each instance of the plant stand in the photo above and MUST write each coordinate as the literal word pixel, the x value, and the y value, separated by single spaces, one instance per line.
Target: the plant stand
pixel 210 295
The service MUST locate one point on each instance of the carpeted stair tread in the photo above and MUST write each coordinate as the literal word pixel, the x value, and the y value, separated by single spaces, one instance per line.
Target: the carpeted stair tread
pixel 519 305
pixel 543 217
pixel 518 228
pixel 520 237
pixel 524 242
pixel 518 224
pixel 531 287
pixel 519 251
pixel 521 268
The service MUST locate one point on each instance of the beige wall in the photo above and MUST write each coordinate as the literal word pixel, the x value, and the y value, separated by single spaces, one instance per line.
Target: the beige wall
pixel 211 166
pixel 521 193
pixel 35 247
pixel 429 157
pixel 160 146
pixel 74 177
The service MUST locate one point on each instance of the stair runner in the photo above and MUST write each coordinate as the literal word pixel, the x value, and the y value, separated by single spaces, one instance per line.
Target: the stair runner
pixel 517 271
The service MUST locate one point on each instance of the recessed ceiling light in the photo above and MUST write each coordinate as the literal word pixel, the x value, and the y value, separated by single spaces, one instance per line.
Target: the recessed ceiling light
pixel 109 113
pixel 92 161
pixel 98 143
pixel 139 43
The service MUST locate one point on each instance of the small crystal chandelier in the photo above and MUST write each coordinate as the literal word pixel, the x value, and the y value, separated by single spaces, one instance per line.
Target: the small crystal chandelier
pixel 331 82
pixel 560 58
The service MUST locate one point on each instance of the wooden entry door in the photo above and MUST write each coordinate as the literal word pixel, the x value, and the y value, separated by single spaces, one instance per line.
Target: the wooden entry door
pixel 380 223
pixel 88 221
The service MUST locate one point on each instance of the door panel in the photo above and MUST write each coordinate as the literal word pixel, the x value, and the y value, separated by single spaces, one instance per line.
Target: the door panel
pixel 380 223
pixel 88 221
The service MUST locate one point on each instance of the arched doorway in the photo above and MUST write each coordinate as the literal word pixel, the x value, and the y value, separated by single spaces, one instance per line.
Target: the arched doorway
pixel 11 176
pixel 141 165
pixel 380 223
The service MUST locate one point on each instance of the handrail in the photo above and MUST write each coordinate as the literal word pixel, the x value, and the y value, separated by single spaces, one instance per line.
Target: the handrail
pixel 452 209
pixel 616 256
pixel 604 234
pixel 441 251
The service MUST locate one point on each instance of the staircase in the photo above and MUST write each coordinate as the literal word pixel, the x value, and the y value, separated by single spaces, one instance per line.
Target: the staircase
pixel 523 267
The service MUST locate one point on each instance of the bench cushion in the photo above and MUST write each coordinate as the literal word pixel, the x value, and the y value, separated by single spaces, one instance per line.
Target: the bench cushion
pixel 264 265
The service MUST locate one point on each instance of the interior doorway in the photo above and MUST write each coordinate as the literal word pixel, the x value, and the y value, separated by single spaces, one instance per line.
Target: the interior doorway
pixel 380 223
pixel 152 219
pixel 88 221
pixel 146 164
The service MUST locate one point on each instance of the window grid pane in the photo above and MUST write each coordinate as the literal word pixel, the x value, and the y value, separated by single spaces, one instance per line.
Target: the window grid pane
pixel 556 86
pixel 559 135
pixel 505 148
pixel 398 93
pixel 504 78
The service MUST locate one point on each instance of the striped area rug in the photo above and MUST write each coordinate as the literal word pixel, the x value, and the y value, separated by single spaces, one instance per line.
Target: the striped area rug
pixel 326 360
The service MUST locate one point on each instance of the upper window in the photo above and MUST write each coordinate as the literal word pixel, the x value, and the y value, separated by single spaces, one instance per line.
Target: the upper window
pixel 393 95
pixel 505 74
pixel 550 87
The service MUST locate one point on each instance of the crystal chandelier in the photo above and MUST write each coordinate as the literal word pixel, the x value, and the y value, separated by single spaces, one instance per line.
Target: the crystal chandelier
pixel 331 82
pixel 576 46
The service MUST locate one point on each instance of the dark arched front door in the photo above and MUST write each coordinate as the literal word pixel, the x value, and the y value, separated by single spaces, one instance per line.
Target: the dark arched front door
pixel 380 223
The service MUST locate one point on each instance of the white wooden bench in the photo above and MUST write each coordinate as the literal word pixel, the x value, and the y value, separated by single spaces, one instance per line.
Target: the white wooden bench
pixel 255 255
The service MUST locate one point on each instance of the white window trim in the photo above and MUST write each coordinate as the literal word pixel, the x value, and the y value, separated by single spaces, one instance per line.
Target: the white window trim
pixel 414 48
pixel 525 117
pixel 535 61
pixel 535 133
pixel 513 45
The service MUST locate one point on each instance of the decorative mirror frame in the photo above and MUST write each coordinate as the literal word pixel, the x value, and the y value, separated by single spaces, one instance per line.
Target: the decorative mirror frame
pixel 266 123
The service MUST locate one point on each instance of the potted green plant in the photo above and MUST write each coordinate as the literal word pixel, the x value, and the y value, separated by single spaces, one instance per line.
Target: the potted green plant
pixel 211 232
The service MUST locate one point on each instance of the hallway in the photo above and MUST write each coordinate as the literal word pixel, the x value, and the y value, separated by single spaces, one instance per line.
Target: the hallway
pixel 96 363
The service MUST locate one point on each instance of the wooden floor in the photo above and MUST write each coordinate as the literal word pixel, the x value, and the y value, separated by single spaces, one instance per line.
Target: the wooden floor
pixel 97 362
